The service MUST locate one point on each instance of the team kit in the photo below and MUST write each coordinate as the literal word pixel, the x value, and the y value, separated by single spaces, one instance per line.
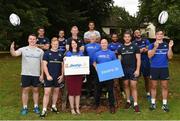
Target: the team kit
pixel 42 62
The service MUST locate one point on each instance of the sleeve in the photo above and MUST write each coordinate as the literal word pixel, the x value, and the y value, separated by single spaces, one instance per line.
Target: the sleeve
pixel 137 50
pixel 68 54
pixel 147 43
pixel 85 35
pixel 47 41
pixel 81 53
pixel 45 56
pixel 98 34
pixel 150 47
pixel 19 51
pixel 113 56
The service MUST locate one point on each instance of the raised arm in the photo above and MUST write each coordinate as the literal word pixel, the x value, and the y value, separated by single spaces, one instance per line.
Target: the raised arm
pixel 12 50
pixel 170 52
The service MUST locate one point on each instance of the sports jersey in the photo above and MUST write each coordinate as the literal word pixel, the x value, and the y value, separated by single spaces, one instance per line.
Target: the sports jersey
pixel 31 60
pixel 43 40
pixel 91 49
pixel 69 53
pixel 160 59
pixel 128 55
pixel 62 45
pixel 113 46
pixel 104 56
pixel 54 60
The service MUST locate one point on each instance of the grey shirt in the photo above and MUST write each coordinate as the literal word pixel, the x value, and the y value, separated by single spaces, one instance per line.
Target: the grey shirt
pixel 88 34
pixel 31 60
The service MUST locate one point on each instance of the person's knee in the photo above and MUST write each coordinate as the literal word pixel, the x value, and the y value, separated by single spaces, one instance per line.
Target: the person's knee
pixel 25 90
pixel 126 84
pixel 164 87
pixel 35 90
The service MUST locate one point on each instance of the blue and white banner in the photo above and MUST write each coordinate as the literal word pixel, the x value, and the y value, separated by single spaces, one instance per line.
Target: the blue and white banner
pixel 76 65
pixel 109 70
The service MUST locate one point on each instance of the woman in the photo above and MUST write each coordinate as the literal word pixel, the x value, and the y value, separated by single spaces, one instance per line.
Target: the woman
pixel 74 82
pixel 102 56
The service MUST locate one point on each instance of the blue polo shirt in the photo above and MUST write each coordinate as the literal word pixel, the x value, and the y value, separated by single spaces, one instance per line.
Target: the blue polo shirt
pixel 104 56
pixel 113 46
pixel 91 49
pixel 43 40
pixel 54 60
pixel 69 53
pixel 160 59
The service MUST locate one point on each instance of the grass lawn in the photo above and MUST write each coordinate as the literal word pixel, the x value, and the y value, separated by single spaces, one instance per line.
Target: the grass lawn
pixel 10 98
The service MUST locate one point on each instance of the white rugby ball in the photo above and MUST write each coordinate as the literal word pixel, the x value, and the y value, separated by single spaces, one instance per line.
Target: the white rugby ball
pixel 163 17
pixel 14 19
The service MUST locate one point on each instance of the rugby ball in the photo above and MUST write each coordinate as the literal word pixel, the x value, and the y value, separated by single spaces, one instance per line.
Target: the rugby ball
pixel 14 19
pixel 163 17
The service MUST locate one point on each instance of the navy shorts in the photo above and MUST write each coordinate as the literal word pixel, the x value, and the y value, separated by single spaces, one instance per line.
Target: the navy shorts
pixel 52 83
pixel 27 81
pixel 159 74
pixel 129 74
pixel 145 68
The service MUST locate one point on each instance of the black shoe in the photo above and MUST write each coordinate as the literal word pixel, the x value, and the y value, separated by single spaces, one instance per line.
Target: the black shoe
pixel 128 105
pixel 165 108
pixel 152 107
pixel 112 110
pixel 55 110
pixel 43 114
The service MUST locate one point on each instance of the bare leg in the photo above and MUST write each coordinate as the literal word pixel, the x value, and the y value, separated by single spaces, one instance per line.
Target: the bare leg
pixel 71 101
pixel 55 96
pixel 127 90
pixel 77 101
pixel 25 96
pixel 47 92
pixel 153 90
pixel 134 91
pixel 36 95
pixel 164 86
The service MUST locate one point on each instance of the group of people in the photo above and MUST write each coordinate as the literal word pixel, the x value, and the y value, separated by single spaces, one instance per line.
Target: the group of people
pixel 42 61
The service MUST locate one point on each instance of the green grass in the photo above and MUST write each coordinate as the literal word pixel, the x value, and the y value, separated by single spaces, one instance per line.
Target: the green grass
pixel 10 98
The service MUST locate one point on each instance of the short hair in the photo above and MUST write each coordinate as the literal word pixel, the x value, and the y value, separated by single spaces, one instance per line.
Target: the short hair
pixel 41 27
pixel 61 30
pixel 34 35
pixel 91 22
pixel 159 29
pixel 114 34
pixel 74 27
pixel 127 32
pixel 54 39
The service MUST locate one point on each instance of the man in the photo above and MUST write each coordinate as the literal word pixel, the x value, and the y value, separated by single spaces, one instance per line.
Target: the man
pixel 42 41
pixel 145 64
pixel 159 53
pixel 53 69
pixel 102 56
pixel 90 50
pixel 91 31
pixel 115 44
pixel 131 61
pixel 31 73
pixel 74 32
pixel 62 41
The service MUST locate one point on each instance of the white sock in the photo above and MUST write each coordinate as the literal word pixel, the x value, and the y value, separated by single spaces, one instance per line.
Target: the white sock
pixel 128 101
pixel 53 106
pixel 148 93
pixel 135 103
pixel 164 101
pixel 44 109
pixel 25 106
pixel 35 105
pixel 153 101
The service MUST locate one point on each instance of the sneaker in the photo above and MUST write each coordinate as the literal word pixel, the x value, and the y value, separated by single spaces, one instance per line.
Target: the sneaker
pixel 136 109
pixel 152 107
pixel 24 111
pixel 36 110
pixel 128 105
pixel 165 108
pixel 54 109
pixel 43 114
pixel 112 109
pixel 148 98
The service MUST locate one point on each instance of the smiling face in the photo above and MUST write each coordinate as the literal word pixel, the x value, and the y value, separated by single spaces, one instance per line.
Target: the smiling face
pixel 137 34
pixel 114 38
pixel 74 31
pixel 104 44
pixel 91 26
pixel 74 44
pixel 159 35
pixel 41 32
pixel 32 40
pixel 61 34
pixel 54 43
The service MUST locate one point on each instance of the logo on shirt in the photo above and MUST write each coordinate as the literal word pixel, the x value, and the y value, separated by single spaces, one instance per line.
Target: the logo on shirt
pixel 123 48
pixel 50 53
pixel 131 47
pixel 44 40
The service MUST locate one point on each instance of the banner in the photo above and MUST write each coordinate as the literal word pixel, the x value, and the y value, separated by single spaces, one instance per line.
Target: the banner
pixel 109 70
pixel 76 65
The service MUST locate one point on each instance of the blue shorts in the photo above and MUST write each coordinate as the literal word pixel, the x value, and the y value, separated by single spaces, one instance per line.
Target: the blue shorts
pixel 129 74
pixel 145 68
pixel 52 83
pixel 27 81
pixel 159 74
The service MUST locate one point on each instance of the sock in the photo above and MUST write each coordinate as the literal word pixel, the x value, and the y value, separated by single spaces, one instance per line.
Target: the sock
pixel 148 93
pixel 35 105
pixel 25 106
pixel 164 101
pixel 44 109
pixel 53 106
pixel 153 101
pixel 135 103
pixel 128 101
